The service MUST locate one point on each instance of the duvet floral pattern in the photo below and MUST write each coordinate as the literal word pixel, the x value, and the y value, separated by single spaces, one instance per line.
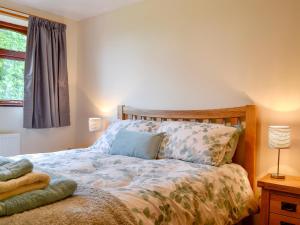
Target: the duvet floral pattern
pixel 159 192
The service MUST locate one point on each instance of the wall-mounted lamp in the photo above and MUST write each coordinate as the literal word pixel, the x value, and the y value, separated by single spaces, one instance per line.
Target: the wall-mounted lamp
pixel 95 124
pixel 279 138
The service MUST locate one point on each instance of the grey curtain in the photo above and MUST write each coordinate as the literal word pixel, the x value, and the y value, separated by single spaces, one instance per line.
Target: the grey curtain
pixel 46 94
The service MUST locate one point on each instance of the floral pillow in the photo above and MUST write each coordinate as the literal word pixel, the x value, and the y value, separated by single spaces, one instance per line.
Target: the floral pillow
pixel 202 143
pixel 232 145
pixel 104 143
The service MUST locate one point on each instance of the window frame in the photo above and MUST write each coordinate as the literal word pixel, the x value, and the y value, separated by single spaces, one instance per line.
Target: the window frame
pixel 12 55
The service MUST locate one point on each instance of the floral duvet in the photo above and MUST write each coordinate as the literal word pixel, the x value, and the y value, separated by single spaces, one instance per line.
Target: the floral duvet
pixel 159 192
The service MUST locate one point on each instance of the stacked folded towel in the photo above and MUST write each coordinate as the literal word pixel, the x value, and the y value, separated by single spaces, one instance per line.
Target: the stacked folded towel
pixel 11 170
pixel 17 178
pixel 21 189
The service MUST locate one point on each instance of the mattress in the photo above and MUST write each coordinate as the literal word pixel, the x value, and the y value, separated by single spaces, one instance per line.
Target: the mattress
pixel 165 192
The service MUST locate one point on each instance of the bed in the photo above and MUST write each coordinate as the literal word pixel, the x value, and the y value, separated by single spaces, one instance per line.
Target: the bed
pixel 145 192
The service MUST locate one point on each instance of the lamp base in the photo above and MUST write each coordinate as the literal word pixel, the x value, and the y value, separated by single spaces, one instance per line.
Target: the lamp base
pixel 277 176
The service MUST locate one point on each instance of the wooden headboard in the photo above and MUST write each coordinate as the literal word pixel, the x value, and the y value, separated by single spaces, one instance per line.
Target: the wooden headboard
pixel 246 116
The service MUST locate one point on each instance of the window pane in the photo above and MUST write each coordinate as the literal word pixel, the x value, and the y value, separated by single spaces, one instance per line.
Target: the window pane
pixel 11 79
pixel 12 40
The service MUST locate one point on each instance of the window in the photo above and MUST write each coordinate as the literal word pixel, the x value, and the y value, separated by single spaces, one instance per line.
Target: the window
pixel 12 62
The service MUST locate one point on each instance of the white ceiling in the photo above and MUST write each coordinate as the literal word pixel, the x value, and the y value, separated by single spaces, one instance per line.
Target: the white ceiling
pixel 75 9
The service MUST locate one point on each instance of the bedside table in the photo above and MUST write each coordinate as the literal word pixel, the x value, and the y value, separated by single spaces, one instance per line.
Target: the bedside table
pixel 280 201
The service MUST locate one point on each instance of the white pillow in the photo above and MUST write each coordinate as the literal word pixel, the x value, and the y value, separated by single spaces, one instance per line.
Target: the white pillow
pixel 202 143
pixel 104 143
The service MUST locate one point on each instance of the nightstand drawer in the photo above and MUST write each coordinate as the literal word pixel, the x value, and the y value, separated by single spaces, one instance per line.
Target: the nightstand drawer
pixel 285 205
pixel 276 219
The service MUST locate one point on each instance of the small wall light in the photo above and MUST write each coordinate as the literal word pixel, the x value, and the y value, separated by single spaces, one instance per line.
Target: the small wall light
pixel 95 124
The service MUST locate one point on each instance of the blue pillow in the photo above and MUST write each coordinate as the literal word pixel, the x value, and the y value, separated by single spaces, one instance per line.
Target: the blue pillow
pixel 143 145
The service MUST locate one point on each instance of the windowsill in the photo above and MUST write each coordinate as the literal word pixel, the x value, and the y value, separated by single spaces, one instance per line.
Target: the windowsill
pixel 11 103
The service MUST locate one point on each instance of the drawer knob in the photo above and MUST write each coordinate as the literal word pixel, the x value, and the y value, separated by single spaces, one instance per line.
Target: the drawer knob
pixel 285 223
pixel 290 207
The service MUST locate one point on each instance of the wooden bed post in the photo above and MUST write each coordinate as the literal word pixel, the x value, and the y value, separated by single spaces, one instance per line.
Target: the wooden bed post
pixel 250 144
pixel 121 114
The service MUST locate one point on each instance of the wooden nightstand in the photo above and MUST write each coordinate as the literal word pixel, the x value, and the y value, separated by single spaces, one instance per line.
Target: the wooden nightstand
pixel 280 201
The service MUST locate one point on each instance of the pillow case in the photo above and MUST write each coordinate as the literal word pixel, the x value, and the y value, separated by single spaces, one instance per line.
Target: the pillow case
pixel 104 143
pixel 143 145
pixel 204 143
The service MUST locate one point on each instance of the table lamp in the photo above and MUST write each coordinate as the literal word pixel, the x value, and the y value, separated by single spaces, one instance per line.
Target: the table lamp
pixel 279 138
pixel 95 124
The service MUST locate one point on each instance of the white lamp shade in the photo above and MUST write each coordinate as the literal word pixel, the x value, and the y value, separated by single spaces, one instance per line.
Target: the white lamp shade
pixel 279 137
pixel 95 124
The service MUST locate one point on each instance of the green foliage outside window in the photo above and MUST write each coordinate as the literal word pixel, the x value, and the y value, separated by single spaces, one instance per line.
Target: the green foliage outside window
pixel 12 71
pixel 12 40
pixel 11 79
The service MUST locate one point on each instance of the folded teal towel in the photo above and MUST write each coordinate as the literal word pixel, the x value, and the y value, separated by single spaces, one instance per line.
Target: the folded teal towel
pixel 14 169
pixel 4 160
pixel 57 190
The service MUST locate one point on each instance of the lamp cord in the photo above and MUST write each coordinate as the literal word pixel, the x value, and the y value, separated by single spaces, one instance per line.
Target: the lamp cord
pixel 278 162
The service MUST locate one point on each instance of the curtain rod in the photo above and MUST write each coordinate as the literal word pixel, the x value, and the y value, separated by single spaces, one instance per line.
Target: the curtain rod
pixel 16 14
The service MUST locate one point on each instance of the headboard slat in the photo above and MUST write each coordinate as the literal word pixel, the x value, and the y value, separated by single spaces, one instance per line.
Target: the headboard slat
pixel 246 115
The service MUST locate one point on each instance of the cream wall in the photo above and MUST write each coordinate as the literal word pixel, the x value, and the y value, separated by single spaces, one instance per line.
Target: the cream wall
pixel 11 119
pixel 193 54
